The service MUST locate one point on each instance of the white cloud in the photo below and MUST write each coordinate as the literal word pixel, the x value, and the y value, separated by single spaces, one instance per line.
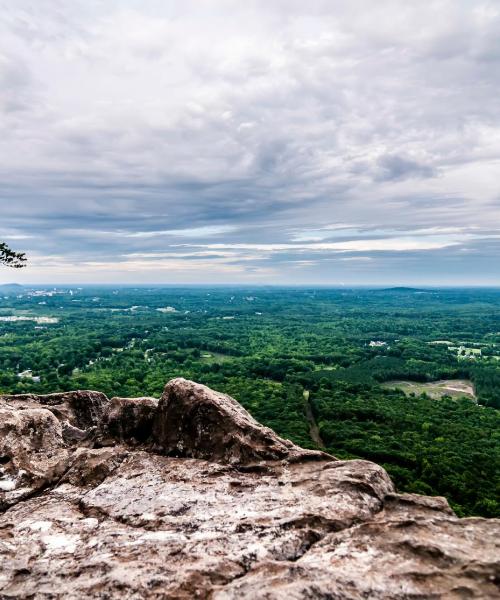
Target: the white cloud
pixel 371 245
pixel 324 126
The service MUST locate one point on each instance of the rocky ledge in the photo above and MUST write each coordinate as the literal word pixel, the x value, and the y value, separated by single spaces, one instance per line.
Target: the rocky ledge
pixel 189 497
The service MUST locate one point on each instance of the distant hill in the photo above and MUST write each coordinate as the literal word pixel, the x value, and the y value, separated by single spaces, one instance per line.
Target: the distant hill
pixel 406 290
pixel 10 287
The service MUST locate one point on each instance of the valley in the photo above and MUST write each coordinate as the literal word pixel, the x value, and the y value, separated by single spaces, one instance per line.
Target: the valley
pixel 361 373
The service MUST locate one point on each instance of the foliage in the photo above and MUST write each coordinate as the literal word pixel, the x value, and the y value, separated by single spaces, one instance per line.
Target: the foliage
pixel 8 257
pixel 266 347
pixel 447 446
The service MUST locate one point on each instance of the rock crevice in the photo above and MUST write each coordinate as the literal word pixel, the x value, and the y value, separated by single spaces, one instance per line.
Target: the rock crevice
pixel 190 497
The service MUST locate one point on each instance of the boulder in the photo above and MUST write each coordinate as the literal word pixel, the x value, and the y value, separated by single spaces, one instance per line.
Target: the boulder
pixel 32 452
pixel 82 409
pixel 194 421
pixel 128 419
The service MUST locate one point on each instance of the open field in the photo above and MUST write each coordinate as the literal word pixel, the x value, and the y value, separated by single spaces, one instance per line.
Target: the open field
pixel 214 357
pixel 435 389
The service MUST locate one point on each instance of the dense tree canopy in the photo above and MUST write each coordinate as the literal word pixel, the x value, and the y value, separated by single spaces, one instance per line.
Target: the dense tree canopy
pixel 364 366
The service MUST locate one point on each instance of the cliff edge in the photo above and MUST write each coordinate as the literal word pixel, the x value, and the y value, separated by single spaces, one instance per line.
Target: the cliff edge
pixel 190 497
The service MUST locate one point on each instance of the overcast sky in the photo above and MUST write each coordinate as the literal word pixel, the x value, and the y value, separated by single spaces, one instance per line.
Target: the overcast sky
pixel 256 141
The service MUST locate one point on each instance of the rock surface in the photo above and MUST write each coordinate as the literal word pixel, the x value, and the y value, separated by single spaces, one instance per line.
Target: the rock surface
pixel 128 419
pixel 194 421
pixel 192 498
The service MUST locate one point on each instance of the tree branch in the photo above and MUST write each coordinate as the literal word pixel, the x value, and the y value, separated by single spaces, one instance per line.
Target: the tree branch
pixel 9 258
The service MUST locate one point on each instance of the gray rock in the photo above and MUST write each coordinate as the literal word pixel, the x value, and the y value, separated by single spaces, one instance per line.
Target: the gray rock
pixel 32 452
pixel 128 419
pixel 73 434
pixel 82 409
pixel 194 421
pixel 194 499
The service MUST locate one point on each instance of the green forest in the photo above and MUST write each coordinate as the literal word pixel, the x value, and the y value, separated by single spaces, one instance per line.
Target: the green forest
pixel 405 377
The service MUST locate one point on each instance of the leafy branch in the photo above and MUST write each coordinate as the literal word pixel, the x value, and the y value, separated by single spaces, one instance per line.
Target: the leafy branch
pixel 9 258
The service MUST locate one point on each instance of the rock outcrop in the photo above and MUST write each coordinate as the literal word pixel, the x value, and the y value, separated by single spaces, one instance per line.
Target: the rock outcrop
pixel 190 497
pixel 128 420
pixel 194 421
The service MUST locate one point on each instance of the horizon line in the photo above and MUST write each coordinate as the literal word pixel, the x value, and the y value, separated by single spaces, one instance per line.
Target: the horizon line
pixel 425 286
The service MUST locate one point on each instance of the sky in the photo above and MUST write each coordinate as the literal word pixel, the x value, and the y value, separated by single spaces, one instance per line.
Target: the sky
pixel 256 142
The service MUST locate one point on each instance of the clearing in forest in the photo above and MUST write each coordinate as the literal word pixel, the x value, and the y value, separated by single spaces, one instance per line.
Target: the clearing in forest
pixel 435 389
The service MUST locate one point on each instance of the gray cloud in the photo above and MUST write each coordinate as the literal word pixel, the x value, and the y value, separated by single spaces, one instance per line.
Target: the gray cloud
pixel 392 167
pixel 128 126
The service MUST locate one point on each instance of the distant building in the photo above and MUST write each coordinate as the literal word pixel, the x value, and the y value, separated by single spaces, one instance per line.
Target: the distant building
pixel 469 353
pixel 28 374
pixel 167 309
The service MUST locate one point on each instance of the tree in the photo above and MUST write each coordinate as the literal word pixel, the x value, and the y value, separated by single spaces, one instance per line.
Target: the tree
pixel 8 257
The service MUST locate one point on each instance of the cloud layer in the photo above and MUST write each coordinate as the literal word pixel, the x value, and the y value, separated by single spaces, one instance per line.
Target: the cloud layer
pixel 263 142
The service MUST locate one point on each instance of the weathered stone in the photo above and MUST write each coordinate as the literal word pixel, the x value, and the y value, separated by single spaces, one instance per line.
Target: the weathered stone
pixel 88 467
pixel 246 516
pixel 194 421
pixel 72 434
pixel 385 558
pixel 82 409
pixel 32 452
pixel 129 419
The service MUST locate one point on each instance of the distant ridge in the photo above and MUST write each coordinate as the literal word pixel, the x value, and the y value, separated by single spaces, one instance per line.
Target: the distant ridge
pixel 402 289
pixel 11 286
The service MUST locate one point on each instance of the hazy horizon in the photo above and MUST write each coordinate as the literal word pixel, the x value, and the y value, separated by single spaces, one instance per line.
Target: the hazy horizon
pixel 314 286
pixel 214 142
